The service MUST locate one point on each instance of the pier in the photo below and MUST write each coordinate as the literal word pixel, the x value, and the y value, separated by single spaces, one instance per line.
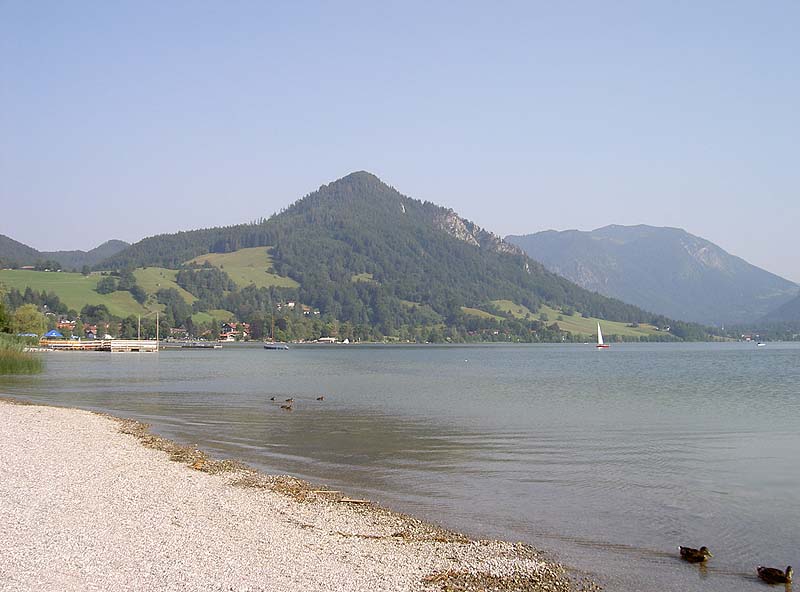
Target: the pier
pixel 108 345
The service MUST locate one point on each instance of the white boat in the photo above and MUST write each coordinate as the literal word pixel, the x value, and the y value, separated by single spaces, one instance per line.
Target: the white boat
pixel 600 344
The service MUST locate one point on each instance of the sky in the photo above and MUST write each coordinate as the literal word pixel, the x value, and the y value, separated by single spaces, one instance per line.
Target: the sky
pixel 129 119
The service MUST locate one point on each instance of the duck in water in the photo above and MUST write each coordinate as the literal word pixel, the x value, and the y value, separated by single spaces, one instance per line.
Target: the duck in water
pixel 694 555
pixel 772 575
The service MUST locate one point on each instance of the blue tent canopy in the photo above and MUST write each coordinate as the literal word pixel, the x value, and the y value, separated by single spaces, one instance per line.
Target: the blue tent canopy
pixel 53 333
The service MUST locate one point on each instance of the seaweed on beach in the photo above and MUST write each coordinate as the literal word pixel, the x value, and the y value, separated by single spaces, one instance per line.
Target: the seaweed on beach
pixel 549 578
pixel 188 455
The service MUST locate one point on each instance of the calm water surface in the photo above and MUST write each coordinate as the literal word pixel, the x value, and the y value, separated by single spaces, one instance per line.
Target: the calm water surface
pixel 606 459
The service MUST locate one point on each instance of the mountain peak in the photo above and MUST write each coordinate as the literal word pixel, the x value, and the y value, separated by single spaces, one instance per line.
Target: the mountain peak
pixel 663 269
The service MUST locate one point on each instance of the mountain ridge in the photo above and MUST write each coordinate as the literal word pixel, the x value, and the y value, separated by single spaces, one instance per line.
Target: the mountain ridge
pixel 664 269
pixel 13 252
pixel 414 253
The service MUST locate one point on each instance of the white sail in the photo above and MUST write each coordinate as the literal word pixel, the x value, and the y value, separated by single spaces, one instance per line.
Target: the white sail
pixel 599 335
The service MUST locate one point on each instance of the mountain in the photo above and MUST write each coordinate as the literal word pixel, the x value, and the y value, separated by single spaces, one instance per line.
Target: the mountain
pixel 77 259
pixel 363 253
pixel 786 313
pixel 666 270
pixel 13 252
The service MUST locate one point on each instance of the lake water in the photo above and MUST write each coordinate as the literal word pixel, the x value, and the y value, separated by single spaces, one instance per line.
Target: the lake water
pixel 605 459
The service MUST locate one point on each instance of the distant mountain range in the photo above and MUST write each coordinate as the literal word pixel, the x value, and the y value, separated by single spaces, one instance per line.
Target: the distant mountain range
pixel 13 252
pixel 665 270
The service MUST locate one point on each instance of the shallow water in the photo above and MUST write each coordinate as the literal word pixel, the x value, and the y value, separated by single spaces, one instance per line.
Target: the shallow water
pixel 606 459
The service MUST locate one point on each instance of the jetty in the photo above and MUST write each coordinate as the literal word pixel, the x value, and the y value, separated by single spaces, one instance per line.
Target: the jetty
pixel 107 345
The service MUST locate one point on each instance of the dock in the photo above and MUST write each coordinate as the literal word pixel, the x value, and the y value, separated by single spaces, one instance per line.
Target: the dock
pixel 107 345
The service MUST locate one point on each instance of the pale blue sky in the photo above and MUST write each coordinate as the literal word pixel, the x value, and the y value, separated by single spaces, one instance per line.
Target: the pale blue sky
pixel 126 119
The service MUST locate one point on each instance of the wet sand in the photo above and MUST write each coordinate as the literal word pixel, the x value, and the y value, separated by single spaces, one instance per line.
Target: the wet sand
pixel 90 502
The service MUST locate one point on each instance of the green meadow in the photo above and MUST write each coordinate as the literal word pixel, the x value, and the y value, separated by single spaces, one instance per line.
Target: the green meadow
pixel 73 289
pixel 575 323
pixel 247 266
pixel 153 279
pixel 214 315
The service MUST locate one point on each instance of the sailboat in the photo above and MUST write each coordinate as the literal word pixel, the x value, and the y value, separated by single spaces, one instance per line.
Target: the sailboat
pixel 272 344
pixel 600 344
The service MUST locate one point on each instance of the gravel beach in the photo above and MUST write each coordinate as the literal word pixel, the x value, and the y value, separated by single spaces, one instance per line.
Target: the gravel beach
pixel 89 502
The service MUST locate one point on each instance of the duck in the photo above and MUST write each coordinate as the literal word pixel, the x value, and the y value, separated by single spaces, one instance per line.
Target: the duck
pixel 288 407
pixel 321 398
pixel 290 400
pixel 772 575
pixel 272 398
pixel 694 555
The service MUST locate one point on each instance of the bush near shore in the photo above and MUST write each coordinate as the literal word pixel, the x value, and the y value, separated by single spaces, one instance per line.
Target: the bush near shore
pixel 13 358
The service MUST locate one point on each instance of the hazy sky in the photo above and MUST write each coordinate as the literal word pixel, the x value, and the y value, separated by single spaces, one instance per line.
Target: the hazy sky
pixel 123 120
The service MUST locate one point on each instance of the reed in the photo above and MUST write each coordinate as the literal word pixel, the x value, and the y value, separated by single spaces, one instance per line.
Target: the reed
pixel 13 358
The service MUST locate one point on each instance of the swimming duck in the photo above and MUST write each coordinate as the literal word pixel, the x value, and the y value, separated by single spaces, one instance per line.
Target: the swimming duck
pixel 288 407
pixel 694 555
pixel 290 399
pixel 772 575
pixel 321 398
pixel 272 398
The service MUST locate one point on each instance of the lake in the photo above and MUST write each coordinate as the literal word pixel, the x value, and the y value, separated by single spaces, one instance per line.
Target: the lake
pixel 606 460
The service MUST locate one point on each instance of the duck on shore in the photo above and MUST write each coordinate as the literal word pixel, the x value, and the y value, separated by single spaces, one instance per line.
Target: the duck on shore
pixel 772 575
pixel 694 555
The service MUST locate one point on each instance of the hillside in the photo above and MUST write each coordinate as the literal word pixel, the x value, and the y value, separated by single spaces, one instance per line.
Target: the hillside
pixel 786 313
pixel 362 253
pixel 666 270
pixel 77 259
pixel 15 253
pixel 73 289
pixel 247 266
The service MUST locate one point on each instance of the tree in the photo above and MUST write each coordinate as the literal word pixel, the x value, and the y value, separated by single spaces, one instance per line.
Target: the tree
pixel 138 293
pixel 28 319
pixel 3 317
pixel 106 285
pixel 4 320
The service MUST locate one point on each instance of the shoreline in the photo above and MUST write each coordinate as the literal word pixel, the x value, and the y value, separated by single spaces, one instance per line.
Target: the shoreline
pixel 222 512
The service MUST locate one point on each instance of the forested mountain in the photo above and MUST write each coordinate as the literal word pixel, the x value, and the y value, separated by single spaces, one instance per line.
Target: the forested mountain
pixel 363 253
pixel 15 253
pixel 666 270
pixel 787 313
pixel 77 259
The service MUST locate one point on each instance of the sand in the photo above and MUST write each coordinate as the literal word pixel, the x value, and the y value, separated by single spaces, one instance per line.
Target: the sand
pixel 88 502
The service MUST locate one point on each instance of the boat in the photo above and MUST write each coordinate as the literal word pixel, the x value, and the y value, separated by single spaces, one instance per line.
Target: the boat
pixel 600 344
pixel 273 345
pixel 201 345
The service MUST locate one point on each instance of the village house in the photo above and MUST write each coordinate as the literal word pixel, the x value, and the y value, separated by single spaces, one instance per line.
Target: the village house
pixel 233 331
